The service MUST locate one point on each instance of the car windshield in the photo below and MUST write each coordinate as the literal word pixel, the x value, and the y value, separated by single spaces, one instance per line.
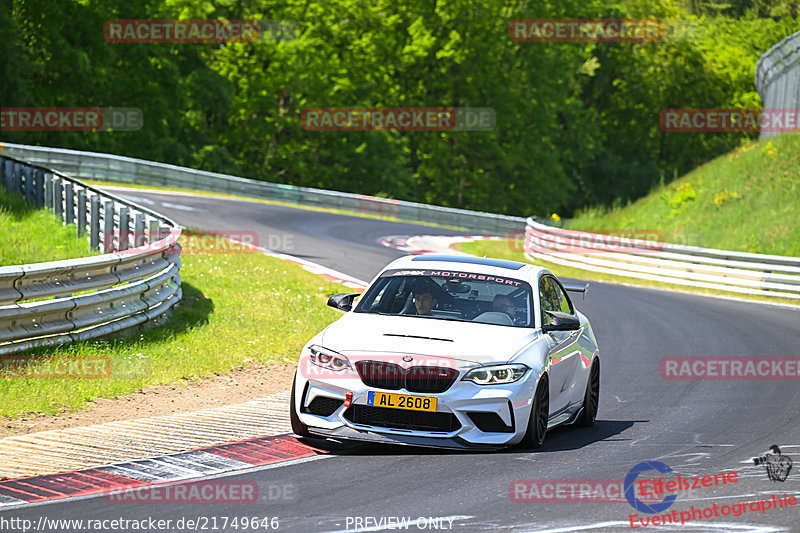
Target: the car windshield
pixel 461 296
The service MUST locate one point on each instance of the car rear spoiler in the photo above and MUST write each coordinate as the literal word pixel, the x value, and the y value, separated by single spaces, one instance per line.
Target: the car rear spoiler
pixel 577 287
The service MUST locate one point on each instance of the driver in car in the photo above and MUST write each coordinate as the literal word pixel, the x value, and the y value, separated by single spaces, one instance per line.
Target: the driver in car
pixel 424 301
pixel 503 304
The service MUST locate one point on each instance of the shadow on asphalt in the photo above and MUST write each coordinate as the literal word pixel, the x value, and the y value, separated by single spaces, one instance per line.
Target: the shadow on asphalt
pixel 573 438
pixel 558 439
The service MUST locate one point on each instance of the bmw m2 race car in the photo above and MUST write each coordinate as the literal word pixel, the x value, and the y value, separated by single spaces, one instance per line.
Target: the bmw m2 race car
pixel 450 351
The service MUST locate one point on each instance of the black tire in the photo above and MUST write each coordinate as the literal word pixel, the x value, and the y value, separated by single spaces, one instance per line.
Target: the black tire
pixel 591 398
pixel 540 413
pixel 297 426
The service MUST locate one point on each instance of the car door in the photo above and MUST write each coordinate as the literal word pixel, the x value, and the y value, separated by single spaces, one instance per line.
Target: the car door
pixel 563 352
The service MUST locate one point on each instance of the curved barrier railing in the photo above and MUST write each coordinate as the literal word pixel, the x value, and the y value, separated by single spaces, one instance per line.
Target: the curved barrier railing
pixel 778 77
pixel 136 280
pixel 738 272
pixel 106 167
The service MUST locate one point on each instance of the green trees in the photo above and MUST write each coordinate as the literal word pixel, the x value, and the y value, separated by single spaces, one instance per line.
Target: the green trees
pixel 576 123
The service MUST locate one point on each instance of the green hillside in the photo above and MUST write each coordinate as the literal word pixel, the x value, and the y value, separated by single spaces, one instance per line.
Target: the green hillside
pixel 747 200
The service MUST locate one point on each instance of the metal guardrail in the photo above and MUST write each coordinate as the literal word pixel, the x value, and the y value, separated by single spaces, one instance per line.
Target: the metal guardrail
pixel 778 77
pixel 732 271
pixel 105 167
pixel 136 280
pixel 739 272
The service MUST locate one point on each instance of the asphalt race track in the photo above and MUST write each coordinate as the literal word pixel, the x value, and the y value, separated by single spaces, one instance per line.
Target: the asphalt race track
pixel 694 427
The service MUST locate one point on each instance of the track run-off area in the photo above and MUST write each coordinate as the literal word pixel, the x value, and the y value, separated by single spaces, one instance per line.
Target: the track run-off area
pixel 694 427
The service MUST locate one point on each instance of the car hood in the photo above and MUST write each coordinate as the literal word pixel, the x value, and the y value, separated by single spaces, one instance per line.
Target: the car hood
pixel 362 333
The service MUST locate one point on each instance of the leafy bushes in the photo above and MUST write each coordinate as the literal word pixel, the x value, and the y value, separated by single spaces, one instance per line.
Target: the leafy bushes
pixel 577 123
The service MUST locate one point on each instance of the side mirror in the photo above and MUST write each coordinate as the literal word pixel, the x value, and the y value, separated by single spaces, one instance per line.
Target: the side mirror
pixel 561 322
pixel 343 301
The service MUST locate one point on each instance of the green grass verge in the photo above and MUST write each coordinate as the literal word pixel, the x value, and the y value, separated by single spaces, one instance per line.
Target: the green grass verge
pixel 747 200
pixel 29 235
pixel 199 192
pixel 235 309
pixel 504 249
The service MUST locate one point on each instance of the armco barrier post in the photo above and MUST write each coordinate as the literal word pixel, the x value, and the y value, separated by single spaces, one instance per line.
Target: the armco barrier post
pixel 21 189
pixel 10 169
pixel 94 223
pixel 152 234
pixel 9 176
pixel 124 226
pixel 69 203
pixel 48 191
pixel 6 181
pixel 108 229
pixel 20 186
pixel 58 197
pixel 16 181
pixel 81 213
pixel 20 177
pixel 164 231
pixel 27 174
pixel 39 188
pixel 138 230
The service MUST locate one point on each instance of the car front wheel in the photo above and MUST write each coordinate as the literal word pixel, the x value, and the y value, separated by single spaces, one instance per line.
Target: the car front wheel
pixel 540 413
pixel 592 397
pixel 297 426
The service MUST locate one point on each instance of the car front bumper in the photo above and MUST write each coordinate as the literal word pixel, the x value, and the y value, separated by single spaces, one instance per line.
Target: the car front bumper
pixel 468 415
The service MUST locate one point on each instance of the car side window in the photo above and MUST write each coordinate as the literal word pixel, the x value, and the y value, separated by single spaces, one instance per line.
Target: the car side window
pixel 547 298
pixel 563 302
pixel 552 298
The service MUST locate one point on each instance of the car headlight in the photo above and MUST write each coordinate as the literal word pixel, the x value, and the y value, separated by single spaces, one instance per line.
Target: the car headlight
pixel 496 375
pixel 327 358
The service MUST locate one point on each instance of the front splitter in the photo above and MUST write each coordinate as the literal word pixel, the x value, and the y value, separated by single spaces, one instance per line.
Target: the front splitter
pixel 448 443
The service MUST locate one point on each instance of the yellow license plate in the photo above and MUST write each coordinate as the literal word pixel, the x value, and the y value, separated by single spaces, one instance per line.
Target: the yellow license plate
pixel 401 401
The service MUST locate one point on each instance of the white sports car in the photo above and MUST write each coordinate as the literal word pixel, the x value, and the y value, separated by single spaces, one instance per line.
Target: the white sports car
pixel 453 352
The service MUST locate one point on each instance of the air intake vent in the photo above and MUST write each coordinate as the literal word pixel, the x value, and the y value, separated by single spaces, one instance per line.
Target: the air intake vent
pixel 323 406
pixel 489 422
pixel 400 419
